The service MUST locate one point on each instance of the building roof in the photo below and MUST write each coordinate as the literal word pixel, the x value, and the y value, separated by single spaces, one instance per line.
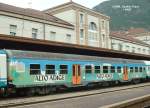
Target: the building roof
pixel 32 13
pixel 134 31
pixel 73 4
pixel 124 36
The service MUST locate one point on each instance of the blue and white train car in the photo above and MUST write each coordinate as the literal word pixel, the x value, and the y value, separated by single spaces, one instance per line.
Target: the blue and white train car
pixel 40 72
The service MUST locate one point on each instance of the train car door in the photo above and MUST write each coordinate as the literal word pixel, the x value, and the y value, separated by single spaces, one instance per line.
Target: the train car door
pixel 125 73
pixel 76 78
pixel 3 70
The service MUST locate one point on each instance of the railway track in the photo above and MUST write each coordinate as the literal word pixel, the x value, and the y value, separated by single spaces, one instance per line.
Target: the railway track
pixel 56 97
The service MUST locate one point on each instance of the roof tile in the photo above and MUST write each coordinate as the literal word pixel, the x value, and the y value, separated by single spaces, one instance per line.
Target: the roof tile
pixel 124 36
pixel 32 13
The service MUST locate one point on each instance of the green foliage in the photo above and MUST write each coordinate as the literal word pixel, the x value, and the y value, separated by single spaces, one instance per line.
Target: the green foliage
pixel 126 13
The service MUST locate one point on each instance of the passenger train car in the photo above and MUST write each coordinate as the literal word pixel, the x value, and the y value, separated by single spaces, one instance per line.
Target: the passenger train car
pixel 42 72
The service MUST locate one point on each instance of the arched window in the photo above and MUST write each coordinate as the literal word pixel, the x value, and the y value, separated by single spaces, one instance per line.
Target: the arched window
pixel 92 26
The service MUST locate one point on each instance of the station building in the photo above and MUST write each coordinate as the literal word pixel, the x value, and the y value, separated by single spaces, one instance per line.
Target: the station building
pixel 122 42
pixel 69 23
pixel 140 33
pixel 91 27
pixel 74 24
pixel 34 24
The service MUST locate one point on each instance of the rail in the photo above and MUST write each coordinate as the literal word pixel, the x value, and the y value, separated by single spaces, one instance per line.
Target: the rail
pixel 50 98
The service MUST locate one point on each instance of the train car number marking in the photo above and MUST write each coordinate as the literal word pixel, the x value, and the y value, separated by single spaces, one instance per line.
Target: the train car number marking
pixel 104 76
pixel 49 78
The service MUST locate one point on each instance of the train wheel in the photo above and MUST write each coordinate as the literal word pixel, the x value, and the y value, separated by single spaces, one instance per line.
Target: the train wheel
pixel 5 92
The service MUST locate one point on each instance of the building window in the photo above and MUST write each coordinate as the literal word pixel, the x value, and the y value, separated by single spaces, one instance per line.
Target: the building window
pixel 81 33
pixel 103 37
pixel 68 37
pixel 52 35
pixel 139 50
pixel 81 19
pixel 103 24
pixel 144 50
pixel 113 45
pixel 34 69
pixel 92 26
pixel 63 69
pixel 34 33
pixel 127 48
pixel 50 69
pixel 93 36
pixel 13 29
pixel 120 46
pixel 133 49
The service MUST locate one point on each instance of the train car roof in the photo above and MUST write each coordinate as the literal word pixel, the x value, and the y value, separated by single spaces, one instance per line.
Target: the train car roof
pixel 61 56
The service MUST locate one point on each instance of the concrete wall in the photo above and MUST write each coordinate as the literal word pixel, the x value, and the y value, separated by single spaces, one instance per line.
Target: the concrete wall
pixel 60 34
pixel 144 38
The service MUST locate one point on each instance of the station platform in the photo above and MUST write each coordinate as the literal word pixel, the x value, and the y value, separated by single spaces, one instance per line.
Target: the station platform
pixel 22 43
pixel 82 99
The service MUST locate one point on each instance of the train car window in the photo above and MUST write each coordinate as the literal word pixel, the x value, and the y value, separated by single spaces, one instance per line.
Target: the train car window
pixel 119 69
pixel 149 68
pixel 105 69
pixel 131 69
pixel 136 69
pixel 74 70
pixel 144 69
pixel 50 69
pixel 35 69
pixel 112 69
pixel 88 69
pixel 141 69
pixel 63 69
pixel 79 71
pixel 97 69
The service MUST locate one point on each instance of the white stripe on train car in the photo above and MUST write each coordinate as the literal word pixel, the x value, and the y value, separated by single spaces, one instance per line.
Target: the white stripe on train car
pixel 147 62
pixel 2 78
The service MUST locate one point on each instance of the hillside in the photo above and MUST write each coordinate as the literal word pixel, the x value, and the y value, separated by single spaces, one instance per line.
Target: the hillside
pixel 126 13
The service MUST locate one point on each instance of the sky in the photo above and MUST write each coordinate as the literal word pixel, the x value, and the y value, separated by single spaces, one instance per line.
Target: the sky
pixel 45 4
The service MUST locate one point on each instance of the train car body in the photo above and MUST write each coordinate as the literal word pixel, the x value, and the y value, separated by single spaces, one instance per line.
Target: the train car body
pixel 28 69
pixel 147 63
